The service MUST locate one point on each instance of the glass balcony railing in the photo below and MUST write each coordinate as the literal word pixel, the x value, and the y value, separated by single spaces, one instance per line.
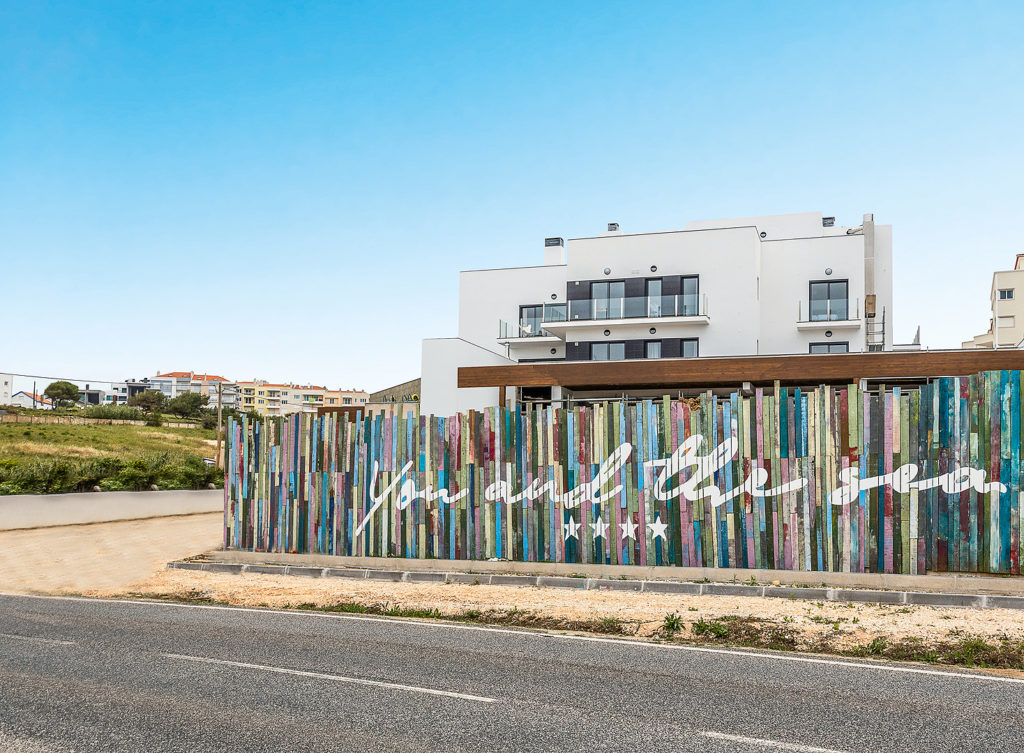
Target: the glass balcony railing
pixel 638 307
pixel 525 328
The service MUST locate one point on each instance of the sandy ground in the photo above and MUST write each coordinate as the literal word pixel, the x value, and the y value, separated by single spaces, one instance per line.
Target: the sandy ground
pixel 112 556
pixel 843 624
pixel 126 558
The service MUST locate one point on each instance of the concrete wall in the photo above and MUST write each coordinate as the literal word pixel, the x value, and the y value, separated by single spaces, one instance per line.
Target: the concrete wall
pixel 442 358
pixel 488 296
pixel 42 510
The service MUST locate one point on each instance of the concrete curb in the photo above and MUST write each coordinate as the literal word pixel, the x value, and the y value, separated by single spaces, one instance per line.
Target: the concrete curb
pixel 871 596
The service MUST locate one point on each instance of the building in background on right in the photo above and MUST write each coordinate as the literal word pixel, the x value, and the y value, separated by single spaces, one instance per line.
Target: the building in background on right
pixel 1006 327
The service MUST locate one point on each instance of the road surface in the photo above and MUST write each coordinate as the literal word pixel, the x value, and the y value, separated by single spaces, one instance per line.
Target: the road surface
pixel 86 675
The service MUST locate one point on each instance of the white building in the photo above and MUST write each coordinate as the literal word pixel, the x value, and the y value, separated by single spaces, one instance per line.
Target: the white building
pixel 6 388
pixel 1006 324
pixel 175 383
pixel 29 400
pixel 782 284
pixel 120 392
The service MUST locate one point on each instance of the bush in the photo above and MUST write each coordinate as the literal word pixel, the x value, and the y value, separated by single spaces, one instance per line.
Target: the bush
pixel 55 476
pixel 154 419
pixel 115 412
pixel 209 422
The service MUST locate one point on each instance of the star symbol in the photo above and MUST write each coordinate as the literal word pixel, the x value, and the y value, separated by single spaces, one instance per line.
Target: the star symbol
pixel 628 530
pixel 658 529
pixel 600 528
pixel 571 529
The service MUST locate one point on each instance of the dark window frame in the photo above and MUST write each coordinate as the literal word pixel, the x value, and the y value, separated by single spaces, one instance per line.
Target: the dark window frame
pixel 812 283
pixel 540 321
pixel 696 347
pixel 828 344
pixel 648 343
pixel 609 343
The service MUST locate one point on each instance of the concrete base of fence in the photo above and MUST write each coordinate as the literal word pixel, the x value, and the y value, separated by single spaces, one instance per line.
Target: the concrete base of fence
pixel 952 583
pixel 582 581
pixel 44 510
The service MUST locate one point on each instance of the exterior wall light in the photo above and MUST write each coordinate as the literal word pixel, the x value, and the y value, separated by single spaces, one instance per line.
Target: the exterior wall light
pixel 828 333
pixel 607 332
pixel 553 351
pixel 653 330
pixel 607 270
pixel 554 296
pixel 764 234
pixel 828 270
pixel 654 267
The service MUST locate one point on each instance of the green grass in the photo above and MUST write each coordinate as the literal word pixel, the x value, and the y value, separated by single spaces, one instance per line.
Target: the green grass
pixel 56 458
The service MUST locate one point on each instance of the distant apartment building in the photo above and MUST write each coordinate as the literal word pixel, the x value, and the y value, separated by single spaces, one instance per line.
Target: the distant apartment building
pixel 121 392
pixel 274 399
pixel 174 383
pixel 6 388
pixel 90 395
pixel 780 284
pixel 1006 322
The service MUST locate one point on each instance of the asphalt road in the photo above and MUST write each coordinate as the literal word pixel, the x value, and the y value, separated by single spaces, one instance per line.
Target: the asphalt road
pixel 83 675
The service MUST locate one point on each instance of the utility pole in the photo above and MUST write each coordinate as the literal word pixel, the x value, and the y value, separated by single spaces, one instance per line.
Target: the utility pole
pixel 220 406
pixel 33 393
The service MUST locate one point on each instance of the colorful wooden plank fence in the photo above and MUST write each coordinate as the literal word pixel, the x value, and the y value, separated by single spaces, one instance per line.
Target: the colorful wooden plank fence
pixel 527 484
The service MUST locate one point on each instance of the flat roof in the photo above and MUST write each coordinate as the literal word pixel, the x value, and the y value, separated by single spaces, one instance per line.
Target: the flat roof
pixel 803 369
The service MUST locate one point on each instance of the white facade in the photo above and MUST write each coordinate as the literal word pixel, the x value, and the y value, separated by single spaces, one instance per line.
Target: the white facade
pixel 715 288
pixel 6 388
pixel 1006 297
pixel 29 400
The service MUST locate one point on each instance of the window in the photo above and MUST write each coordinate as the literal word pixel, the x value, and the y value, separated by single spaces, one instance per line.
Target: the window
pixel 829 300
pixel 607 351
pixel 652 349
pixel 1006 294
pixel 348 401
pixel 608 299
pixel 654 302
pixel 689 299
pixel 688 347
pixel 530 318
pixel 843 347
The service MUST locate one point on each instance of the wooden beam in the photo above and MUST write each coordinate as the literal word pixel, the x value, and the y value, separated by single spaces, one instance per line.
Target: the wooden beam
pixel 733 371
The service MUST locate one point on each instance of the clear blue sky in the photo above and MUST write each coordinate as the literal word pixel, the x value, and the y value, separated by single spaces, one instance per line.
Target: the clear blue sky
pixel 288 190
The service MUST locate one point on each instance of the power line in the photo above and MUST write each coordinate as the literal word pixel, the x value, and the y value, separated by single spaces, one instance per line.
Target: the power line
pixel 66 378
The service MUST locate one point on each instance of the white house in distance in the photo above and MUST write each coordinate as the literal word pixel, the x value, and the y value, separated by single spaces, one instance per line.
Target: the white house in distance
pixel 781 284
pixel 1006 326
pixel 6 388
pixel 29 400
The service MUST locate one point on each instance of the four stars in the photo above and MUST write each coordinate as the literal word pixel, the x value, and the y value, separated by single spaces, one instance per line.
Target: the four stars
pixel 571 530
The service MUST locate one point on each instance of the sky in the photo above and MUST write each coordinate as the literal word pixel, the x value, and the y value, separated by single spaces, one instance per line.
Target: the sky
pixel 288 190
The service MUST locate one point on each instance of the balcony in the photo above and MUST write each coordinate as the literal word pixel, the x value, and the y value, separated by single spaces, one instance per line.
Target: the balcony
pixel 675 312
pixel 828 314
pixel 533 328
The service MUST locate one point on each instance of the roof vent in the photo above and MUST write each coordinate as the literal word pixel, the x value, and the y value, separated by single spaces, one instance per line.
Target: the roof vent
pixel 828 221
pixel 613 227
pixel 553 242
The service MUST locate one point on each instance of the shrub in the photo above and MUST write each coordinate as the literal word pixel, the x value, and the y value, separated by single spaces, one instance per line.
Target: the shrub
pixel 58 475
pixel 154 419
pixel 115 412
pixel 672 624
